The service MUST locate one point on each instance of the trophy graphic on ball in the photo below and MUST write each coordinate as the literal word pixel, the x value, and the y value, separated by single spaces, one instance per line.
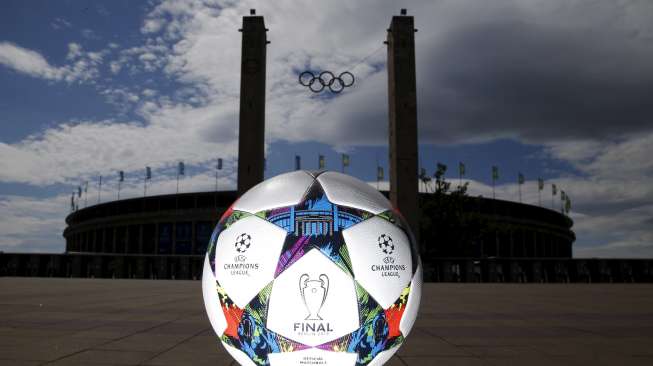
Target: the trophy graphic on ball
pixel 314 293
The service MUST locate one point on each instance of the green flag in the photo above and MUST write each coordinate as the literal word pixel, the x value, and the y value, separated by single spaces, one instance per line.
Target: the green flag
pixel 320 162
pixel 520 178
pixel 441 169
pixel 495 172
pixel 345 160
pixel 298 162
pixel 540 183
pixel 379 173
pixel 554 189
pixel 461 169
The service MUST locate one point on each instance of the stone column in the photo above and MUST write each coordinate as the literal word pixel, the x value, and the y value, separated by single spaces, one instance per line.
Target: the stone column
pixel 402 102
pixel 251 135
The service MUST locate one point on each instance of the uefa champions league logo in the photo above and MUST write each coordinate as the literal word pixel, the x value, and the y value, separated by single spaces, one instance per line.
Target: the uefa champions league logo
pixel 386 244
pixel 388 269
pixel 241 266
pixel 243 241
pixel 314 293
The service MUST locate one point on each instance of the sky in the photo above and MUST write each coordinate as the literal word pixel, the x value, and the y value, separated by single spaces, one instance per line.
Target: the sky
pixel 553 89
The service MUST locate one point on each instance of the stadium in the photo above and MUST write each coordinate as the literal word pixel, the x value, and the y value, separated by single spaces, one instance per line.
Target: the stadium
pixel 165 237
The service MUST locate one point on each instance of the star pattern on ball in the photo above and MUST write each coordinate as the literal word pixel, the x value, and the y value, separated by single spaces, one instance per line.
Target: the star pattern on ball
pixel 386 244
pixel 243 242
pixel 315 223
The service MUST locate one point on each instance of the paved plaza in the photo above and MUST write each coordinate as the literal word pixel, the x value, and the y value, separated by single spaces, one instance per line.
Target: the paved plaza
pixel 140 322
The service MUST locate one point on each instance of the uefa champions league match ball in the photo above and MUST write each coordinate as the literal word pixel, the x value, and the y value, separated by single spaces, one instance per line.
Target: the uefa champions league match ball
pixel 312 268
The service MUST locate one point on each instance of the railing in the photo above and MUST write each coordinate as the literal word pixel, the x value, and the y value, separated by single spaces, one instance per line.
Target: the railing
pixel 515 270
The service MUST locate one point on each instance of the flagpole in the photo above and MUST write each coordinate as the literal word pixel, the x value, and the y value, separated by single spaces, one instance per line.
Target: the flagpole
pixel 539 197
pixel 99 192
pixel 519 184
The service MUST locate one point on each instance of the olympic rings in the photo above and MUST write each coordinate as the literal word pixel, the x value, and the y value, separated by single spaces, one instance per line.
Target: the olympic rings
pixel 326 79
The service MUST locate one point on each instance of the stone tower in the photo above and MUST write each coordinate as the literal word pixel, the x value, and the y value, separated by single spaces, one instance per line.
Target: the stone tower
pixel 403 118
pixel 251 136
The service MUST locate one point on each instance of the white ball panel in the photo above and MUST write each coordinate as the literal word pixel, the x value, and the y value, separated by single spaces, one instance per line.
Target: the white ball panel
pixel 312 356
pixel 238 355
pixel 211 300
pixel 383 357
pixel 383 274
pixel 412 306
pixel 246 257
pixel 283 190
pixel 313 301
pixel 345 190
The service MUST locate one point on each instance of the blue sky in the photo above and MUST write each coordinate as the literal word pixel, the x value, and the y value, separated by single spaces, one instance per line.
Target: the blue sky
pixel 552 89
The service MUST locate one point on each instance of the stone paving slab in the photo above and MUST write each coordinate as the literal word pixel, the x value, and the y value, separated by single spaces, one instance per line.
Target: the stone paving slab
pixel 162 323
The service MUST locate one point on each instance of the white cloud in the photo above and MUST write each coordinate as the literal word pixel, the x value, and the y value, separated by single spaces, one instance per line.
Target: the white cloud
pixel 32 224
pixel 28 62
pixel 74 51
pixel 83 66
pixel 59 23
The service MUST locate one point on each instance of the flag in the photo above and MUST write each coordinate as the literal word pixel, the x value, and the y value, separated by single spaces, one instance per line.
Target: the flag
pixel 568 204
pixel 562 195
pixel 520 178
pixel 554 189
pixel 495 172
pixel 540 184
pixel 461 169
pixel 181 169
pixel 219 166
pixel 345 160
pixel 320 162
pixel 79 191
pixel 121 175
pixel 85 186
pixel 148 172
pixel 379 173
pixel 298 162
pixel 72 202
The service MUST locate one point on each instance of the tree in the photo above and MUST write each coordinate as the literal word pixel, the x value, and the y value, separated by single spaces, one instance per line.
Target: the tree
pixel 450 224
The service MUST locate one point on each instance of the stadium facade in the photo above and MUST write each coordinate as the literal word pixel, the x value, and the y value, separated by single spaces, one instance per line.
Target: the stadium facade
pixel 165 237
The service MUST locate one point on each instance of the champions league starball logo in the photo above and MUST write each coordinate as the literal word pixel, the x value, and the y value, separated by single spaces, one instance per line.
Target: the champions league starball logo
pixel 243 242
pixel 241 266
pixel 388 268
pixel 386 244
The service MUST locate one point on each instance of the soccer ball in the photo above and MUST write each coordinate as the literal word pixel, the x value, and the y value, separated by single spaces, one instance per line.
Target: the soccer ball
pixel 312 268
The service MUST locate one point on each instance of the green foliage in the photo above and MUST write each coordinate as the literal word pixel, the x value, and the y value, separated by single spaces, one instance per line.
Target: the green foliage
pixel 450 226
